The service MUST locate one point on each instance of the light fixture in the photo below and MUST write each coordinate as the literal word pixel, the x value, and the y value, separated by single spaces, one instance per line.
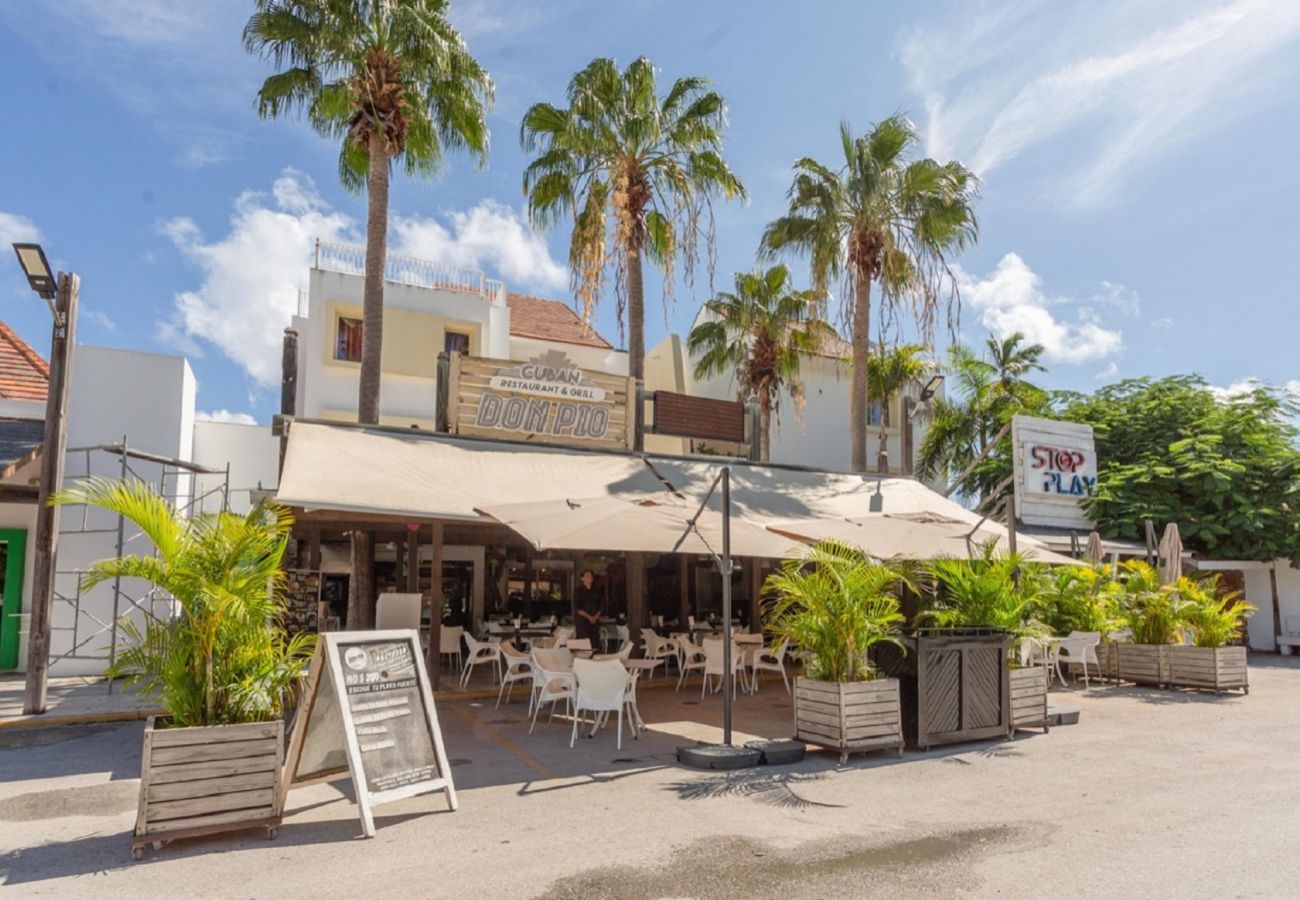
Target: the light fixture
pixel 37 269
pixel 932 386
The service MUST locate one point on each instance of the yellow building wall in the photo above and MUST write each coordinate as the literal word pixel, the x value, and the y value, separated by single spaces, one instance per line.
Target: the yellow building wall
pixel 412 340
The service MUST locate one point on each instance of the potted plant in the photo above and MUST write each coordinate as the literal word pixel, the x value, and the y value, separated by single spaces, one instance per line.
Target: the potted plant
pixel 1214 618
pixel 983 605
pixel 1081 598
pixel 222 667
pixel 835 605
pixel 1152 614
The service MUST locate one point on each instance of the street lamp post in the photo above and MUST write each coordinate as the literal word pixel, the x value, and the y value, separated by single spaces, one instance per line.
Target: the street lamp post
pixel 909 406
pixel 61 296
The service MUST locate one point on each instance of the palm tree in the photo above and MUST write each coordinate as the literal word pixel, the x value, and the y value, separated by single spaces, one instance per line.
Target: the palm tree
pixel 759 333
pixel 390 79
pixel 878 219
pixel 225 658
pixel 653 164
pixel 983 398
pixel 889 373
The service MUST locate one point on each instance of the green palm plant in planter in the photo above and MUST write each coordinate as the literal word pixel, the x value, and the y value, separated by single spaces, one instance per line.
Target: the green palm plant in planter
pixel 1215 618
pixel 835 605
pixel 222 667
pixel 997 592
pixel 1153 614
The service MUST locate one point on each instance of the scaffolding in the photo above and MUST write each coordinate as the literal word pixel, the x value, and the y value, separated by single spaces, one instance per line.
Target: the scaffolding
pixel 89 629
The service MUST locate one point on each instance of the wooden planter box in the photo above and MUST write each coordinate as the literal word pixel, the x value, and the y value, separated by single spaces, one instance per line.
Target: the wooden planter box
pixel 1140 663
pixel 856 717
pixel 1029 697
pixel 198 781
pixel 1212 668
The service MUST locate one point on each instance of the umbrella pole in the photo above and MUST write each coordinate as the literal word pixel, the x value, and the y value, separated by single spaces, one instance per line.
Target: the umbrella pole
pixel 725 566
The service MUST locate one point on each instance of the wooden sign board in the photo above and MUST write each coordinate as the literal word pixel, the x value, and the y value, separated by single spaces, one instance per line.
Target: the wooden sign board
pixel 1055 469
pixel 546 399
pixel 682 415
pixel 368 712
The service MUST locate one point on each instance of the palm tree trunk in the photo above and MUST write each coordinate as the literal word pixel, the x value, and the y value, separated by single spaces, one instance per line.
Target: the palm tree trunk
pixel 858 391
pixel 765 427
pixel 372 324
pixel 635 316
pixel 882 452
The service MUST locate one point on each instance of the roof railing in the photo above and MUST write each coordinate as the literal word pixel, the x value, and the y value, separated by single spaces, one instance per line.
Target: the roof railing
pixel 350 259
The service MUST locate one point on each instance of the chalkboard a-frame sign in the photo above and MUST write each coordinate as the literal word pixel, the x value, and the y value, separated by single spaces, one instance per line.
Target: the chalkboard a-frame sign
pixel 367 711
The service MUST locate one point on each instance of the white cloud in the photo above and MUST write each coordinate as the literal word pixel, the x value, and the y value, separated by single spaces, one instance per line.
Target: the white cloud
pixel 1012 298
pixel 1111 370
pixel 490 236
pixel 16 229
pixel 96 317
pixel 225 415
pixel 1126 81
pixel 252 276
pixel 1164 323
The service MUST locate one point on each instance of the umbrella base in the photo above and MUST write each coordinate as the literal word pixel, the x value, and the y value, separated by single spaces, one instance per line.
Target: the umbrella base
pixel 778 752
pixel 718 757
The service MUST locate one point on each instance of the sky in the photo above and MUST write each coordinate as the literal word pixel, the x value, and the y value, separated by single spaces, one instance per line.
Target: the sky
pixel 1139 190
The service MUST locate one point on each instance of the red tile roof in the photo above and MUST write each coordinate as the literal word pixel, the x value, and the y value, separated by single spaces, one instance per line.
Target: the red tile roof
pixel 24 375
pixel 550 320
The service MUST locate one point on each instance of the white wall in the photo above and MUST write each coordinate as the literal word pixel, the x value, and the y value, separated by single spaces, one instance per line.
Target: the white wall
pixel 251 451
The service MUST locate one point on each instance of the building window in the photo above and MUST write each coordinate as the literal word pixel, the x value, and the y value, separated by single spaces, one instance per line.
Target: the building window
pixel 873 413
pixel 455 342
pixel 348 348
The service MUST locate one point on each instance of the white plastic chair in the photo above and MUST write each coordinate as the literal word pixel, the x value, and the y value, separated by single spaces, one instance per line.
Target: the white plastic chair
pixel 449 645
pixel 690 658
pixel 713 665
pixel 602 688
pixel 657 647
pixel 1080 647
pixel 518 667
pixel 624 636
pixel 552 682
pixel 624 652
pixel 398 611
pixel 479 654
pixel 562 634
pixel 579 646
pixel 770 660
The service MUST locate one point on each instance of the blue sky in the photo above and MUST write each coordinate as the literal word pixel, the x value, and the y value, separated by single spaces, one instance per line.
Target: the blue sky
pixel 1140 191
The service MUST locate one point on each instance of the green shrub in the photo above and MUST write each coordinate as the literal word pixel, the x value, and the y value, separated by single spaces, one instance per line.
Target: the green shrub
pixel 1214 616
pixel 1153 612
pixel 1079 598
pixel 224 658
pixel 992 591
pixel 835 604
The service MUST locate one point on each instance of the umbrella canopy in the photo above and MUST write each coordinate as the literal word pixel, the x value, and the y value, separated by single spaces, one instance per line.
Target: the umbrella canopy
pixel 1094 552
pixel 1171 554
pixel 649 525
pixel 919 537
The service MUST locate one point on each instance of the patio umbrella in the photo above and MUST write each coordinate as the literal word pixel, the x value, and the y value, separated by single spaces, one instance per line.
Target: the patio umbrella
pixel 1171 554
pixel 650 525
pixel 918 537
pixel 1094 552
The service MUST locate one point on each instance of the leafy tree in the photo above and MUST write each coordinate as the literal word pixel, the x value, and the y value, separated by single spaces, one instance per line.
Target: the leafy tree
pixel 225 658
pixel 760 333
pixel 1170 450
pixel 889 372
pixel 653 164
pixel 881 219
pixel 390 80
pixel 983 395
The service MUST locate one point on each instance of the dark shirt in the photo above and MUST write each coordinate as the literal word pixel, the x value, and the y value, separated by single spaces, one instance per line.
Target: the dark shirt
pixel 588 599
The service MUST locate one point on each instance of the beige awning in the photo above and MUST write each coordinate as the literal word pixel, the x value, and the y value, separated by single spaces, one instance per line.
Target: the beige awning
pixel 388 472
pixel 916 537
pixel 652 525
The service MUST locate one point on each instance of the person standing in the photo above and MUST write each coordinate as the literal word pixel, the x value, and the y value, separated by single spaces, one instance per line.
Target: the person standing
pixel 587 602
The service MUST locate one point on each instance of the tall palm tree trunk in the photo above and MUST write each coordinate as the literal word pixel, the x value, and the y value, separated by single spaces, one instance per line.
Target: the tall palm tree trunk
pixel 635 315
pixel 361 593
pixel 858 391
pixel 372 324
pixel 882 452
pixel 765 426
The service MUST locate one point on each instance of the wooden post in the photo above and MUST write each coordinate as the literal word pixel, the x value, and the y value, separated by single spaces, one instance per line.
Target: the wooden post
pixel 313 550
pixel 413 560
pixel 686 571
pixel 435 607
pixel 1277 612
pixel 47 517
pixel 361 586
pixel 755 576
pixel 636 619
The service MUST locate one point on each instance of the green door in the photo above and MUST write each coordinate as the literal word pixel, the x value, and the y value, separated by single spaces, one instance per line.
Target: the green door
pixel 13 552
